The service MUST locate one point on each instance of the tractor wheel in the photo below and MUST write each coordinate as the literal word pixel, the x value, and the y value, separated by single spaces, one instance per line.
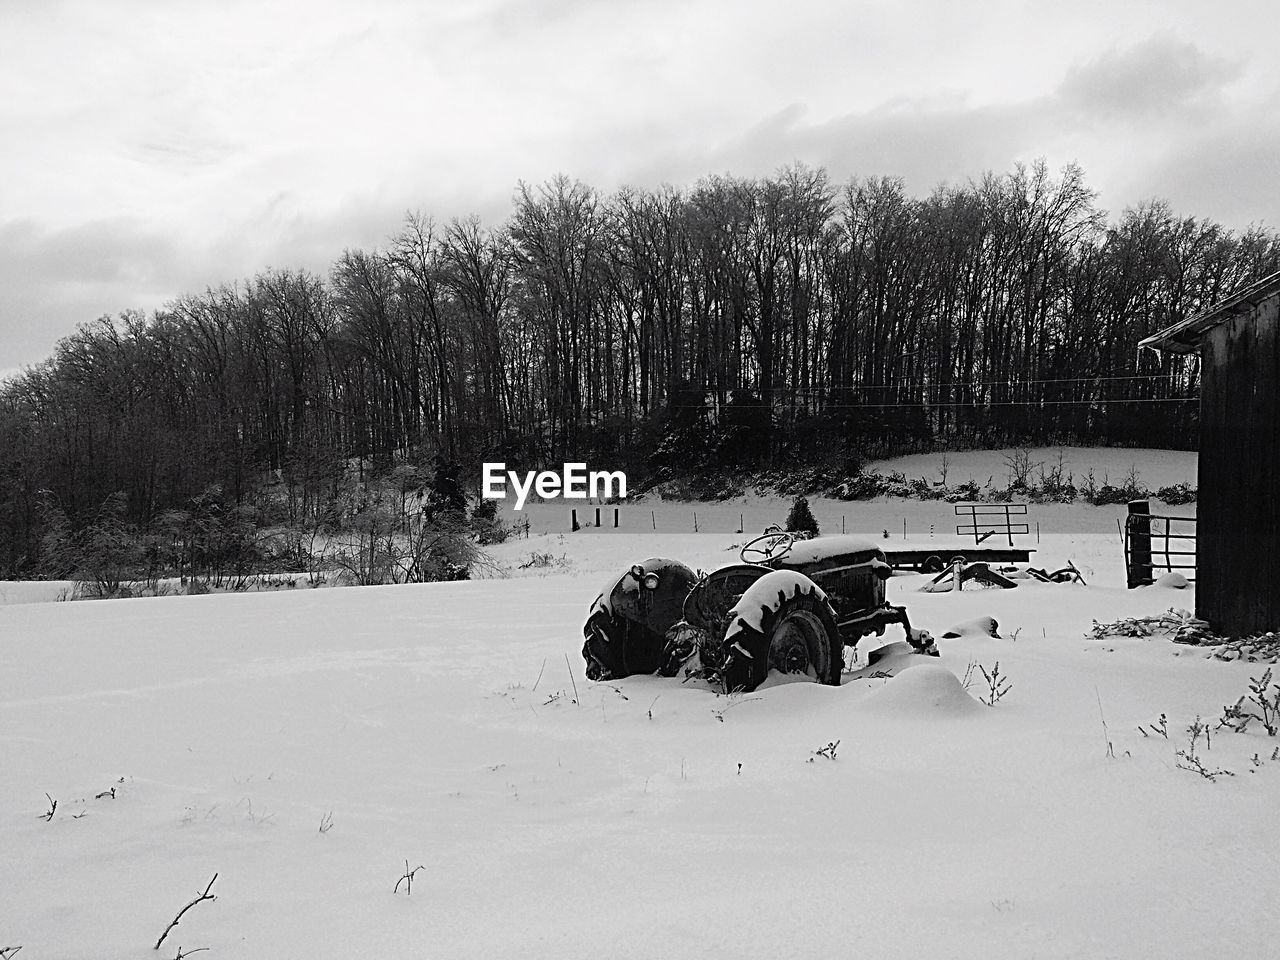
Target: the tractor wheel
pixel 933 564
pixel 797 634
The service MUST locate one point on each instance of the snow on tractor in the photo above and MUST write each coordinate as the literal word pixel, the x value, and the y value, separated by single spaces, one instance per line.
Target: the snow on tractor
pixel 791 605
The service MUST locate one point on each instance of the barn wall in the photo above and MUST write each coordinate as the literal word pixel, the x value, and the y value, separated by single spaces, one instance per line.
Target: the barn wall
pixel 1237 565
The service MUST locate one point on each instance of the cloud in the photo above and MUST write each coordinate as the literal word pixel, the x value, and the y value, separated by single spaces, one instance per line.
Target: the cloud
pixel 1160 76
pixel 1224 169
pixel 52 279
pixel 1157 118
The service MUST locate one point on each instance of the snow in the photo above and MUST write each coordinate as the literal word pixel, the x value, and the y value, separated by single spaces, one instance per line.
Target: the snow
pixel 34 591
pixel 1155 468
pixel 450 725
pixel 926 690
pixel 604 602
pixel 807 551
pixel 977 627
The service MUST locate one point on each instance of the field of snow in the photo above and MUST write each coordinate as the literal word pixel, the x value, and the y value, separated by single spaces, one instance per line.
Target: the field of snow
pixel 1155 469
pixel 304 745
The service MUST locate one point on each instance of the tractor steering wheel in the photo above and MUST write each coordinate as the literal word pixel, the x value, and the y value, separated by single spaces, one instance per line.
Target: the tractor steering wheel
pixel 768 546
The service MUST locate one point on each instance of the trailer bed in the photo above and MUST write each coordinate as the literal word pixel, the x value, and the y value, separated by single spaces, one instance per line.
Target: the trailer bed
pixel 938 555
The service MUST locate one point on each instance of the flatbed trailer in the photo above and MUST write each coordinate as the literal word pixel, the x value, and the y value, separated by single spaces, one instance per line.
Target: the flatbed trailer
pixel 935 557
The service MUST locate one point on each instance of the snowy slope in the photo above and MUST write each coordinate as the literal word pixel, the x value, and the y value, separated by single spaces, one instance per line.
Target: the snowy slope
pixel 1155 469
pixel 559 818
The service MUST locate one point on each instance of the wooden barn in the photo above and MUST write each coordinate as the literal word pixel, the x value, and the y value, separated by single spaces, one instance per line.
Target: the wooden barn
pixel 1238 527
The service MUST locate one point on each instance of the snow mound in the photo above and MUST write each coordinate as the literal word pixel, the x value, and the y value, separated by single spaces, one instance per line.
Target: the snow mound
pixel 1173 579
pixel 977 627
pixel 926 689
pixel 889 658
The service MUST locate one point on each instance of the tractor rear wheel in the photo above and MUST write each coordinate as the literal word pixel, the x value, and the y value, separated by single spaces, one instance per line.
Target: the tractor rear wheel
pixel 796 635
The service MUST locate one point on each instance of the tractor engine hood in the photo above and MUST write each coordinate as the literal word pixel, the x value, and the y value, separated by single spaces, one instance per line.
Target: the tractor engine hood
pixel 833 553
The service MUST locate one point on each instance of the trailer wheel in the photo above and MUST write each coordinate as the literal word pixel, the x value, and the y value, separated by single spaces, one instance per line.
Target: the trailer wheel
pixel 797 635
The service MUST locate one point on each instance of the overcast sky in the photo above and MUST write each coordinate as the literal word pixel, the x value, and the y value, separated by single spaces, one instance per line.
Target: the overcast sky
pixel 154 147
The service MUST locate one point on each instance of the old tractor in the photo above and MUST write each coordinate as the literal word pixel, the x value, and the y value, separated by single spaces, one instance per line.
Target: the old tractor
pixel 792 605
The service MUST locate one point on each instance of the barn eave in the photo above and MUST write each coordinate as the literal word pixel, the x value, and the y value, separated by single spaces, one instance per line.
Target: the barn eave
pixel 1185 335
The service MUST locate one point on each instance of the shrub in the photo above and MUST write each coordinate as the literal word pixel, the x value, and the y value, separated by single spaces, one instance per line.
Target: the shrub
pixel 801 519
pixel 380 545
pixel 485 524
pixel 105 552
pixel 1107 494
pixel 859 486
pixel 896 484
pixel 968 491
pixel 1020 465
pixel 1177 493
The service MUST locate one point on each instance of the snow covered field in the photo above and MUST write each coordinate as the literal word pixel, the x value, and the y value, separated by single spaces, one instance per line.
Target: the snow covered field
pixel 1155 469
pixel 450 726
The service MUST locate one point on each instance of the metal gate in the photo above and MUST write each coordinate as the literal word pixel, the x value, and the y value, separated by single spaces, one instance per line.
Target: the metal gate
pixel 1157 541
pixel 986 519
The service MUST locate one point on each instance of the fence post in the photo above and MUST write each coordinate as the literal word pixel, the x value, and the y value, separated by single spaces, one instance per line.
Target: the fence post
pixel 597 518
pixel 615 518
pixel 573 517
pixel 1138 543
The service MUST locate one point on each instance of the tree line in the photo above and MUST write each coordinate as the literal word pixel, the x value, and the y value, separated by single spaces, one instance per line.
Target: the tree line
pixel 737 323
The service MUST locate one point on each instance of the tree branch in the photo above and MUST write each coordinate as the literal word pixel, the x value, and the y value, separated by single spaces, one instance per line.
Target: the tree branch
pixel 174 922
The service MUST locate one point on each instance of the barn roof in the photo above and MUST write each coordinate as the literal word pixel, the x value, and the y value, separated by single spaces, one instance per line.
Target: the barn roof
pixel 1184 336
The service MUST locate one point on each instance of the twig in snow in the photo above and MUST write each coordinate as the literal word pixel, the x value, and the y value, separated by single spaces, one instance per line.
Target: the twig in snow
pixel 407 878
pixel 829 751
pixel 6 953
pixel 1106 735
pixel 186 953
pixel 999 685
pixel 47 816
pixel 1161 728
pixel 539 680
pixel 326 822
pixel 1189 759
pixel 734 700
pixel 571 679
pixel 174 922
